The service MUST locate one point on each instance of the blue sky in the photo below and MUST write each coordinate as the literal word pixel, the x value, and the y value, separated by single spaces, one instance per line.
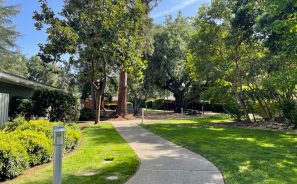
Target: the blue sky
pixel 29 39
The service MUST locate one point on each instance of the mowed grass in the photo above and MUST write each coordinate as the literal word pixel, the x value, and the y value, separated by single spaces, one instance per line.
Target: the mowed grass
pixel 245 156
pixel 98 143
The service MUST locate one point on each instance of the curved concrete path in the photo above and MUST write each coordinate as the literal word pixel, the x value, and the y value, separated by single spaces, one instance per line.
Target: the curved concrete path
pixel 163 162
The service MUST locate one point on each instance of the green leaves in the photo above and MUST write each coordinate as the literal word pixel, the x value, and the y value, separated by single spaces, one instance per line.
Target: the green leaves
pixel 8 34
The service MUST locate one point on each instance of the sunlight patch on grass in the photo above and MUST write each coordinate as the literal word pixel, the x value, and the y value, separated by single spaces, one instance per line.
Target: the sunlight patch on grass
pixel 216 129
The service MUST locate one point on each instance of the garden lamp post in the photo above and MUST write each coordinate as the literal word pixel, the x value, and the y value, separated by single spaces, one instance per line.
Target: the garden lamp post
pixel 58 141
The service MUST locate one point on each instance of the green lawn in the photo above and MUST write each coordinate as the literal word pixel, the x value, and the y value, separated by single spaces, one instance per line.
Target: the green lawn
pixel 244 156
pixel 99 142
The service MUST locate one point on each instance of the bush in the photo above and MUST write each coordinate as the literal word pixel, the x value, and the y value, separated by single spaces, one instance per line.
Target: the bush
pixel 233 110
pixel 14 124
pixel 72 134
pixel 149 104
pixel 72 137
pixel 155 104
pixel 289 110
pixel 87 114
pixel 37 144
pixel 158 104
pixel 60 106
pixel 13 157
pixel 30 143
pixel 43 126
pixel 20 106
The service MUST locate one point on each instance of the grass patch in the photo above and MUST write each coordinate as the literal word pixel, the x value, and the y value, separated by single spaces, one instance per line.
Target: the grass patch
pixel 243 155
pixel 87 164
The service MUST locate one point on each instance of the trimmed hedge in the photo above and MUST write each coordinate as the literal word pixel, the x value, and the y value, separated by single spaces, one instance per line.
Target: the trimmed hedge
pixel 60 106
pixel 30 144
pixel 37 145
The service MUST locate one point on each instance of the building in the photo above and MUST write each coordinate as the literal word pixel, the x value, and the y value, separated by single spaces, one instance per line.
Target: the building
pixel 12 85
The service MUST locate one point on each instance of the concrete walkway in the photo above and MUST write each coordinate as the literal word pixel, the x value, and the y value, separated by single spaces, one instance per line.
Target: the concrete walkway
pixel 163 162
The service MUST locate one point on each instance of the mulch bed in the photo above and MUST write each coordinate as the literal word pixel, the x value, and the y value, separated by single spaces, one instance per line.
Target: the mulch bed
pixel 264 125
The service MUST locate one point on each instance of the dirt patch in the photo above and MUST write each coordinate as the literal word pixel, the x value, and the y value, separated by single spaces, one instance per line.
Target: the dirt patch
pixel 120 118
pixel 159 114
pixel 269 125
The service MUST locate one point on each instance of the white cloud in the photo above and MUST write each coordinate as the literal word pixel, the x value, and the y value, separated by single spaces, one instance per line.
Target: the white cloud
pixel 180 6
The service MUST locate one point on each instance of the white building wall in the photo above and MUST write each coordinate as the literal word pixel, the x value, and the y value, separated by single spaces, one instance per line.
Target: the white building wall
pixel 4 105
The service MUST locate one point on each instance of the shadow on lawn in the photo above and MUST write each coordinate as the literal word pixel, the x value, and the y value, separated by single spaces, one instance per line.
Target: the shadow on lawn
pixel 244 155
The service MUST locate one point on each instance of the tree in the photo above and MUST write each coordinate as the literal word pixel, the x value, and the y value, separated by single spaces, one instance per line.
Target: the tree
pixel 169 61
pixel 14 63
pixel 225 50
pixel 8 34
pixel 103 35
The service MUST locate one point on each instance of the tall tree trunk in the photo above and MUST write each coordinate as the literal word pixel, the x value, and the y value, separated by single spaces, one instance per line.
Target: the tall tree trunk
pixel 178 102
pixel 137 104
pixel 239 92
pixel 100 92
pixel 243 106
pixel 94 99
pixel 93 88
pixel 98 97
pixel 122 96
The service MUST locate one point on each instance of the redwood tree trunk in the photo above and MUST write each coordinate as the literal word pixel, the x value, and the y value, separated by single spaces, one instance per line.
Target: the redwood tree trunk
pixel 122 96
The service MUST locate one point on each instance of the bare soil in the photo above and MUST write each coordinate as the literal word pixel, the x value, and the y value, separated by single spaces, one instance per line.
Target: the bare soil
pixel 263 125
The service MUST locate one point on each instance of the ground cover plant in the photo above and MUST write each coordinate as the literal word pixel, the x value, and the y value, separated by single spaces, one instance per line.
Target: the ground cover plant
pixel 102 153
pixel 243 155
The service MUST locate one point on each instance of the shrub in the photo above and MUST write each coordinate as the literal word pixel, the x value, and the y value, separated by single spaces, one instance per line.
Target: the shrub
pixel 37 144
pixel 158 104
pixel 72 136
pixel 20 106
pixel 233 110
pixel 289 110
pixel 30 143
pixel 155 104
pixel 43 126
pixel 87 114
pixel 13 157
pixel 149 104
pixel 60 106
pixel 14 124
